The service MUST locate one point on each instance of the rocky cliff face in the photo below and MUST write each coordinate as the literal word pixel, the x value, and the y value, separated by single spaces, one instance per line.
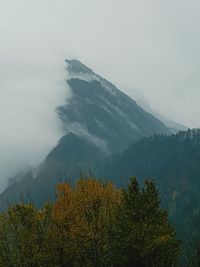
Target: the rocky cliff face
pixel 99 112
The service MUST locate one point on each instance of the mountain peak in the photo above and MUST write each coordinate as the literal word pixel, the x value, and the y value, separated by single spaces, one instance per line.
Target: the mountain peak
pixel 102 113
pixel 75 66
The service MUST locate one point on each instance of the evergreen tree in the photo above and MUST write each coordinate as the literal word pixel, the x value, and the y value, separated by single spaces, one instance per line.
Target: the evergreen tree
pixel 145 237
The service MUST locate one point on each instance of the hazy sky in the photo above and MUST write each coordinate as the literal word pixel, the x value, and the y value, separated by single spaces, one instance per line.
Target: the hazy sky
pixel 146 47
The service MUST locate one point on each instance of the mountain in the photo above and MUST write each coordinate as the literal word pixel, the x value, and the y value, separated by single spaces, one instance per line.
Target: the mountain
pixel 98 111
pixel 174 163
pixel 174 126
pixel 98 120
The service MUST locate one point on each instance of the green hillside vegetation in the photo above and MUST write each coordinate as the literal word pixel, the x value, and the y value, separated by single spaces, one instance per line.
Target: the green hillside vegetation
pixel 173 161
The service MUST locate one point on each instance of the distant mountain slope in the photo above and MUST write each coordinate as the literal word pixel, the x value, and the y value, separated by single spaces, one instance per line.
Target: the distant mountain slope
pixel 101 113
pixel 174 126
pixel 174 163
pixel 98 120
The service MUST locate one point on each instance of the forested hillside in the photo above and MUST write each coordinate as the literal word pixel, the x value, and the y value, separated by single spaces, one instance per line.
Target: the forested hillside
pixel 174 163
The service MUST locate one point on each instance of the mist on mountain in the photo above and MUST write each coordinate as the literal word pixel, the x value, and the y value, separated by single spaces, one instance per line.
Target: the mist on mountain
pixel 97 120
pixel 30 127
pixel 174 126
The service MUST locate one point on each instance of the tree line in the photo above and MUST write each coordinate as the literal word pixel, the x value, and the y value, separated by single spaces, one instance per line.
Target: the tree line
pixel 92 223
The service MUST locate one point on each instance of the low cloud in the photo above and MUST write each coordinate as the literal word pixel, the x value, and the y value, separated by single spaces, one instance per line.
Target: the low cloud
pixel 29 124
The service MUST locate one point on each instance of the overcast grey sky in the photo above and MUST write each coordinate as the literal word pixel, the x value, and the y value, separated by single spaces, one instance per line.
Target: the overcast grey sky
pixel 146 47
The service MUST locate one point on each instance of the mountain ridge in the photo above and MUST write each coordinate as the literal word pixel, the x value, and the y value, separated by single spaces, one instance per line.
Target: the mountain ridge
pixel 109 101
pixel 99 120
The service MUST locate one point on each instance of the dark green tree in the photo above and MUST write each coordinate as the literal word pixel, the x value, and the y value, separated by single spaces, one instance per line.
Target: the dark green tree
pixel 144 236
